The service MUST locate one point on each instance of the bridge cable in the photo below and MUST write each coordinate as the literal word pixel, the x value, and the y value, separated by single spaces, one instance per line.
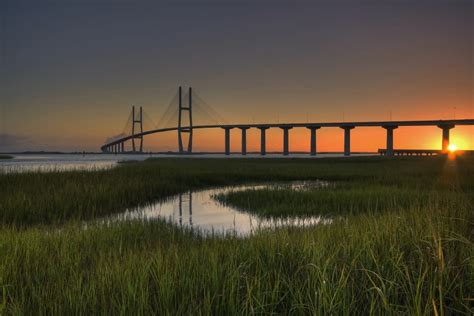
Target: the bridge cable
pixel 205 107
pixel 169 112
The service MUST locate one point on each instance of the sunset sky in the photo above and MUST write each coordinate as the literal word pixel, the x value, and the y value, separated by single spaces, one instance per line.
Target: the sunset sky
pixel 70 70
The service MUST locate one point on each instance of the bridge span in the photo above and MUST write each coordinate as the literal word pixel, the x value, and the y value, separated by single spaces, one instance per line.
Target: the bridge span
pixel 117 145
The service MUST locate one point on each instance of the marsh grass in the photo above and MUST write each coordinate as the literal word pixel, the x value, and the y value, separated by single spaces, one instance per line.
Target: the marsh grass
pixel 385 256
pixel 340 199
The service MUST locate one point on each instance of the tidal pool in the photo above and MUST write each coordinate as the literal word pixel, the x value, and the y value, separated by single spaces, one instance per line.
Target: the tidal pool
pixel 200 211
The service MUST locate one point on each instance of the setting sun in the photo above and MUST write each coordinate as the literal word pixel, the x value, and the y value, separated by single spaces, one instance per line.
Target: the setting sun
pixel 452 147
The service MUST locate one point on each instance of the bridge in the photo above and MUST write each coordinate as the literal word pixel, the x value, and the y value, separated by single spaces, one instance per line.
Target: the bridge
pixel 178 110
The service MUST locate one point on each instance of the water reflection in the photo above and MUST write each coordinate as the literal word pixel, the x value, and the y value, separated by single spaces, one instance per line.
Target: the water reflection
pixel 200 211
pixel 63 162
pixel 190 207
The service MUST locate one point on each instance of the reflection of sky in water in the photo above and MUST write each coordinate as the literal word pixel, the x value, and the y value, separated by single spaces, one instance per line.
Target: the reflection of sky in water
pixel 45 163
pixel 201 211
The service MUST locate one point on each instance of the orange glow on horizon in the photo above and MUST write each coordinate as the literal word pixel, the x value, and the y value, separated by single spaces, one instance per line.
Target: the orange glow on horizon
pixel 363 139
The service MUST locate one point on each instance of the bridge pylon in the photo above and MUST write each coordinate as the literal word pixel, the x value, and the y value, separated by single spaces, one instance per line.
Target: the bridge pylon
pixel 185 129
pixel 138 121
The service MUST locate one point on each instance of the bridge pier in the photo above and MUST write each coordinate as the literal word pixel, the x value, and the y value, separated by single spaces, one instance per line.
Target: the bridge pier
pixel 244 139
pixel 313 139
pixel 188 129
pixel 286 129
pixel 445 136
pixel 263 129
pixel 389 147
pixel 227 140
pixel 347 139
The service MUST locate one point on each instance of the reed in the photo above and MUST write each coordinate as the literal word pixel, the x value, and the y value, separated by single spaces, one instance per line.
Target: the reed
pixel 401 243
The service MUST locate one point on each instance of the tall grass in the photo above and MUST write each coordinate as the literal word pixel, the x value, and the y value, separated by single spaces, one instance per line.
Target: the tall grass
pixel 49 198
pixel 393 257
pixel 342 198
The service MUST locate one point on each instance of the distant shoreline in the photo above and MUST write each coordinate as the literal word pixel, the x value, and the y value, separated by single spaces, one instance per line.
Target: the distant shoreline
pixel 173 153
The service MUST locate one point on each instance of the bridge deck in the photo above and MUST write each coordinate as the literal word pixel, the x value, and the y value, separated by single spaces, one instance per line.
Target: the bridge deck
pixel 307 125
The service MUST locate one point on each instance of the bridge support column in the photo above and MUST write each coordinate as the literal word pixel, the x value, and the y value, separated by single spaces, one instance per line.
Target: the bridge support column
pixel 445 136
pixel 227 140
pixel 347 139
pixel 139 121
pixel 263 130
pixel 189 128
pixel 244 139
pixel 389 147
pixel 286 129
pixel 313 139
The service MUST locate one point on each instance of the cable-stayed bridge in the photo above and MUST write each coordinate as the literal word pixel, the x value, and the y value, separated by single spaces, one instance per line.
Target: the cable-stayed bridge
pixel 185 109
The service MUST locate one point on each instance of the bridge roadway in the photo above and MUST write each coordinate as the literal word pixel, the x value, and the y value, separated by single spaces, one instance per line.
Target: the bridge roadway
pixel 118 144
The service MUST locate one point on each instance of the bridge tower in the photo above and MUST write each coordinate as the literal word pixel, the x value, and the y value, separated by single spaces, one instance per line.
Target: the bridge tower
pixel 185 129
pixel 138 121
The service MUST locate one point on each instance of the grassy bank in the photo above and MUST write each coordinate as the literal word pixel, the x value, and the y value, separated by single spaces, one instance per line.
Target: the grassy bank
pixel 405 244
pixel 49 198
pixel 343 199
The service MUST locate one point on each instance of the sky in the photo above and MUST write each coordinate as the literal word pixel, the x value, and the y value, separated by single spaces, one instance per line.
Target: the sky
pixel 71 70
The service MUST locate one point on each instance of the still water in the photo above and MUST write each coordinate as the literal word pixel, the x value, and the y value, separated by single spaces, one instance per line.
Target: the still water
pixel 200 211
pixel 63 162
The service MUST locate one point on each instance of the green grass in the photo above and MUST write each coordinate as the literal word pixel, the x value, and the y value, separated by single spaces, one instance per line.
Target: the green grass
pixel 342 199
pixel 404 245
pixel 5 157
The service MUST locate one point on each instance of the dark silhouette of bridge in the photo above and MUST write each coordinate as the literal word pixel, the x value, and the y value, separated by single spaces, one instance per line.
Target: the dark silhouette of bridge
pixel 178 111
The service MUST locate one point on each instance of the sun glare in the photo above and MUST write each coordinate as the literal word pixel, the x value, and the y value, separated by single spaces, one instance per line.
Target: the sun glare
pixel 452 147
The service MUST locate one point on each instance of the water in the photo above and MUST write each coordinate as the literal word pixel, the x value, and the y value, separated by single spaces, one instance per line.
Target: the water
pixel 200 211
pixel 66 162
pixel 63 162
